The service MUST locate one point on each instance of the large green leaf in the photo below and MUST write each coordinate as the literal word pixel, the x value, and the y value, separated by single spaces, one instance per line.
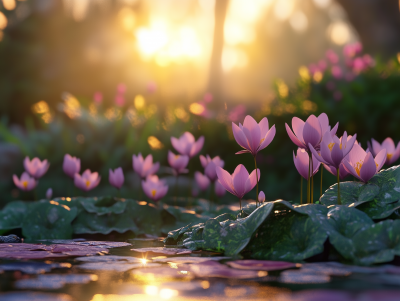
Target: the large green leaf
pixel 12 215
pixel 48 220
pixel 104 205
pixel 291 234
pixel 177 217
pixel 346 222
pixel 229 237
pixel 377 243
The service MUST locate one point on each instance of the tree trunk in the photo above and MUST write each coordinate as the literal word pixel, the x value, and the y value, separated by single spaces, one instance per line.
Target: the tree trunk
pixel 377 23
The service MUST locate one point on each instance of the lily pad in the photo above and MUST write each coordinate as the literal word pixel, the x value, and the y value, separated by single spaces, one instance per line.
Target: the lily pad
pixel 104 205
pixel 299 277
pixel 163 251
pixel 48 220
pixel 99 244
pixel 115 266
pixel 54 281
pixel 34 296
pixel 109 258
pixel 192 259
pixel 160 274
pixel 216 269
pixel 33 267
pixel 262 265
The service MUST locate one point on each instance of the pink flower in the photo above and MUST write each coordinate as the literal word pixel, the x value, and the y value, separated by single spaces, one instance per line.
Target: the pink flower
pixel 336 72
pixel 144 167
pixel 332 56
pixel 119 100
pixel 151 87
pixel 155 190
pixel 71 165
pixel 202 181
pixel 261 197
pixel 311 131
pixel 362 165
pixel 333 150
pixel 36 168
pixel 209 166
pixel 208 97
pixel 98 97
pixel 26 183
pixel 219 189
pixel 333 170
pixel 236 113
pixel 359 65
pixel 240 182
pixel 187 145
pixel 352 50
pixel 121 88
pixel 87 181
pixel 392 152
pixel 49 193
pixel 116 177
pixel 178 162
pixel 322 65
pixel 253 136
pixel 301 161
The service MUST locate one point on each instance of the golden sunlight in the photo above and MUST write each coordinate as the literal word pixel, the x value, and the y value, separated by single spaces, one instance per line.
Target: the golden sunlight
pixel 3 21
pixel 9 4
pixel 154 143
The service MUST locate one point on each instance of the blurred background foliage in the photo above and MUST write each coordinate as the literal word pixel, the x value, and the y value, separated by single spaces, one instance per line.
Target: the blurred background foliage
pixel 138 72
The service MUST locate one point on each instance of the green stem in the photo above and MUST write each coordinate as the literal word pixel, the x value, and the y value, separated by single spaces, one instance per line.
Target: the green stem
pixel 211 197
pixel 308 182
pixel 255 163
pixel 338 188
pixel 240 203
pixel 320 190
pixel 312 181
pixel 301 190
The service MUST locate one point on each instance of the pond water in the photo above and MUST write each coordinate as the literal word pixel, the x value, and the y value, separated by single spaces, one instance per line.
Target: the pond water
pixel 144 270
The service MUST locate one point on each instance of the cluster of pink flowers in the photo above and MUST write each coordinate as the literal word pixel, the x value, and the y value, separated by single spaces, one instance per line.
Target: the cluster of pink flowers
pixel 34 169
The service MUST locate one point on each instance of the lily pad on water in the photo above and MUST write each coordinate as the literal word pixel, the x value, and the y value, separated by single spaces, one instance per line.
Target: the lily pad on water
pixel 104 205
pixel 163 251
pixel 115 266
pixel 177 217
pixel 54 281
pixel 299 277
pixel 48 220
pixel 33 267
pixel 34 296
pixel 109 258
pixel 262 265
pixel 192 259
pixel 99 244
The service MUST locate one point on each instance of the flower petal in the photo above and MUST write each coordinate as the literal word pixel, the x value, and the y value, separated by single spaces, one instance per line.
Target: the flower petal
pixel 336 155
pixel 252 180
pixel 239 178
pixel 268 138
pixel 253 133
pixel 368 169
pixel 264 126
pixel 301 162
pixel 376 147
pixel 245 151
pixel 388 144
pixel 380 159
pixel 239 136
pixel 225 179
pixel 349 145
pixel 196 147
pixel 350 168
pixel 293 137
pixel 312 132
pixel 178 145
pixel 324 122
pixel 334 130
pixel 298 126
pixel 325 156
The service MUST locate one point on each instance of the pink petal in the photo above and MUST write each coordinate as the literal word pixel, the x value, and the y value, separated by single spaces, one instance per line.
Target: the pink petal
pixel 16 181
pixel 153 169
pixel 293 137
pixel 336 155
pixel 298 126
pixel 268 138
pixel 264 126
pixel 368 169
pixel 324 122
pixel 197 146
pixel 239 136
pixel 380 159
pixel 376 147
pixel 350 168
pixel 242 152
pixel 312 132
pixel 252 133
pixel 325 156
pixel 179 147
pixel 356 154
pixel 334 130
pixel 388 144
pixel 239 178
pixel 252 180
pixel 225 179
pixel 188 137
pixel 203 161
pixel 349 145
pixel 301 163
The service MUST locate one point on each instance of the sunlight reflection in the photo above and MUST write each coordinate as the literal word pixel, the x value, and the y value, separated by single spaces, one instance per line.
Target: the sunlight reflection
pixel 339 32
pixel 322 3
pixel 3 21
pixel 9 4
pixel 154 143
pixel 139 102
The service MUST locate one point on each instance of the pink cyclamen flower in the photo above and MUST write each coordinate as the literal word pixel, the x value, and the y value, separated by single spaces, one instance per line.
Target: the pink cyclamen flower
pixel 71 165
pixel 155 190
pixel 26 182
pixel 36 168
pixel 187 144
pixel 98 97
pixel 253 136
pixel 121 88
pixel 261 197
pixel 362 165
pixel 301 161
pixel 119 100
pixel 332 56
pixel 240 182
pixel 333 170
pixel 202 181
pixel 144 167
pixel 336 72
pixel 87 181
pixel 178 162
pixel 392 151
pixel 311 131
pixel 49 193
pixel 333 149
pixel 219 189
pixel 209 166
pixel 151 87
pixel 116 177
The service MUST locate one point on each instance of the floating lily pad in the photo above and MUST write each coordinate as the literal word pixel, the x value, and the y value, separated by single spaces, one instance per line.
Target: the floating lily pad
pixel 262 265
pixel 216 269
pixel 48 220
pixel 299 277
pixel 104 205
pixel 160 274
pixel 54 281
pixel 33 267
pixel 116 266
pixel 325 269
pixel 176 217
pixel 100 244
pixel 34 296
pixel 192 259
pixel 109 258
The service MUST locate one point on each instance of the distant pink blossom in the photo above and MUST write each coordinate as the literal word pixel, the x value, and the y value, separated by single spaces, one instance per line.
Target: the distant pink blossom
pixel 351 50
pixel 208 97
pixel 116 177
pixel 392 151
pixel 87 181
pixel 237 113
pixel 322 65
pixel 313 68
pixel 98 97
pixel 253 136
pixel 26 182
pixel 144 167
pixel 36 168
pixel 336 72
pixel 119 100
pixel 219 189
pixel 154 190
pixel 178 162
pixel 261 197
pixel 332 56
pixel 151 87
pixel 202 181
pixel 337 95
pixel 301 161
pixel 359 65
pixel 187 144
pixel 209 166
pixel 71 165
pixel 49 193
pixel 121 88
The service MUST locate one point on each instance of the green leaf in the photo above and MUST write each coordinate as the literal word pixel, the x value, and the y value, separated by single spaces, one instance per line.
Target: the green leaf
pixel 177 217
pixel 104 205
pixel 233 236
pixel 346 222
pixel 13 214
pixel 48 221
pixel 349 192
pixel 377 243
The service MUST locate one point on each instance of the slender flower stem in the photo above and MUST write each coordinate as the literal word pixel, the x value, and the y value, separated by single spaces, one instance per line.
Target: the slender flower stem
pixel 301 190
pixel 119 193
pixel 312 181
pixel 240 203
pixel 320 190
pixel 308 181
pixel 176 189
pixel 255 163
pixel 211 197
pixel 338 188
